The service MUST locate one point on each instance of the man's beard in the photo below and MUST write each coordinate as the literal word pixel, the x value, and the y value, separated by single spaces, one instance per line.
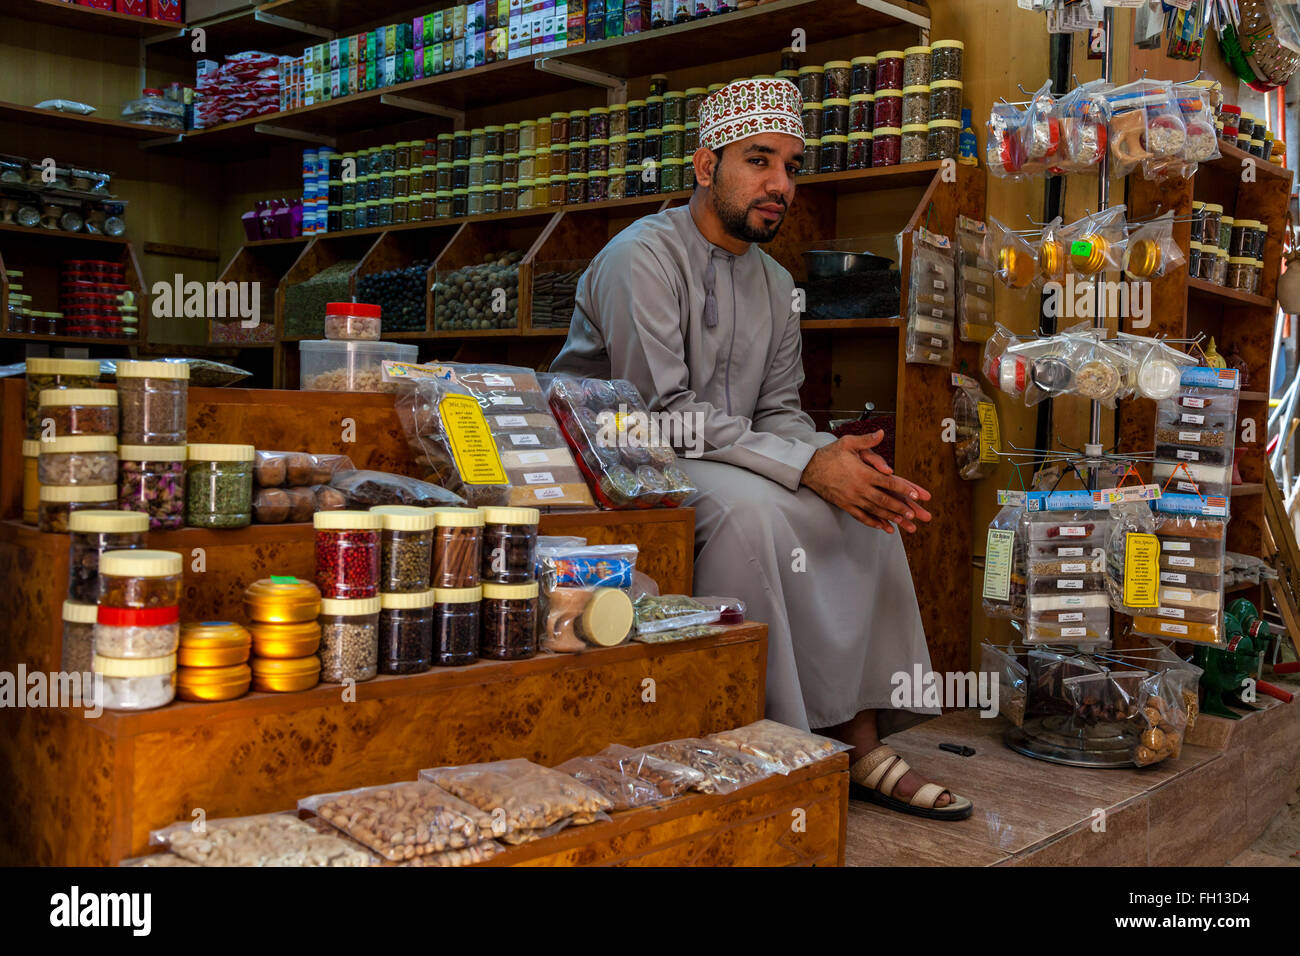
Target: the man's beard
pixel 735 218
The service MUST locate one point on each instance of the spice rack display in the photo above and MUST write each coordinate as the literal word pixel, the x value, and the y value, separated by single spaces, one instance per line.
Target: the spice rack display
pixel 1182 307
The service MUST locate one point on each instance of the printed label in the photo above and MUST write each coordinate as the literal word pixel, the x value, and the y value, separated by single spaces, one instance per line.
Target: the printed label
pixel 531 457
pixel 1080 248
pixel 505 400
pixel 1141 569
pixel 1177 545
pixel 1070 617
pixel 1178 561
pixel 549 492
pixel 1193 437
pixel 511 421
pixel 525 439
pixel 1177 595
pixel 1069 552
pixel 1186 455
pixel 1168 627
pixel 1073 531
pixel 997 564
pixel 1074 569
pixel 538 478
pixel 1074 632
pixel 470 441
pixel 1190 401
pixel 1172 612
pixel 1070 584
pixel 1172 577
pixel 498 381
pixel 990 439
pixel 937 342
pixel 937 313
pixel 1192 420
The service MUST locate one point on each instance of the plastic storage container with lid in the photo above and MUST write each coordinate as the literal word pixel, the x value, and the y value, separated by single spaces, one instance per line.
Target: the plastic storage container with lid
pixel 285 640
pixel 946 59
pixel 457 547
pixel 812 83
pixel 916 66
pixel 863 77
pixel 140 579
pixel 58 503
pixel 945 99
pixel 213 683
pixel 135 683
pixel 406 632
pixel 31 481
pixel 838 79
pixel 352 321
pixel 151 480
pixel 889 70
pixel 406 544
pixel 456 625
pixel 330 366
pixel 136 632
pixel 347 553
pixel 93 533
pixel 213 644
pixel 78 411
pixel 509 621
pixel 943 139
pixel 916 105
pixel 47 373
pixel 78 636
pixel 277 675
pixel 509 544
pixel 82 460
pixel 349 639
pixel 219 485
pixel 152 398
pixel 887 110
pixel 886 146
pixel 1211 220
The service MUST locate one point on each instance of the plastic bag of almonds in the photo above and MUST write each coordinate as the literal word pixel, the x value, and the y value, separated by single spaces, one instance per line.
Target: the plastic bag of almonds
pixel 466 856
pixel 725 769
pixel 157 859
pixel 403 820
pixel 786 747
pixel 629 778
pixel 1163 717
pixel 522 797
pixel 270 839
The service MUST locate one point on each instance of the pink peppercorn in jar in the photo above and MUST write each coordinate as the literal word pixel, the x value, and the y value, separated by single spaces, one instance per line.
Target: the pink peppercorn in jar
pixel 889 70
pixel 886 146
pixel 888 110
pixel 347 554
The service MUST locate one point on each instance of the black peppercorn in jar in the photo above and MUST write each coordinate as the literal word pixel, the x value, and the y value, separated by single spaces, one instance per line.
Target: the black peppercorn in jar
pixel 460 174
pixel 1194 258
pixel 863 76
pixel 402 156
pixel 789 59
pixel 509 621
pixel 835 117
pixel 576 189
pixel 916 66
pixel 675 108
pixel 406 632
pixel 943 138
pixel 812 84
pixel 859 150
pixel 835 154
pixel 635 116
pixel 493 140
pixel 837 76
pixel 654 112
pixel 460 145
pixel 579 128
pixel 635 150
pixel 861 112
pixel 509 544
pixel 456 625
pixel 812 121
pixel 946 59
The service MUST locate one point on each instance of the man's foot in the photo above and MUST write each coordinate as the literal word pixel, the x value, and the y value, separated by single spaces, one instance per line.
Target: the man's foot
pixel 912 782
pixel 882 777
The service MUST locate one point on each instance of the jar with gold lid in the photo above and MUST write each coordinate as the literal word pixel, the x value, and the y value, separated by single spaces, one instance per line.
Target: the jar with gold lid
pixel 213 683
pixel 1142 258
pixel 289 640
pixel 282 599
pixel 213 644
pixel 1089 254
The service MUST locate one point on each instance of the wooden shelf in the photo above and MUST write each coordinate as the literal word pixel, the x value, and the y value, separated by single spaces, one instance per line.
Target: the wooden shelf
pixel 292 240
pixel 1240 586
pixel 894 322
pixel 36 339
pixel 92 125
pixel 1242 491
pixel 91 19
pixel 1203 287
pixel 1231 160
pixel 60 235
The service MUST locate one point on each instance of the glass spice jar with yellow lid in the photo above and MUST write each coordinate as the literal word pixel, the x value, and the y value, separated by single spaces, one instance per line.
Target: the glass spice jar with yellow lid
pixel 282 599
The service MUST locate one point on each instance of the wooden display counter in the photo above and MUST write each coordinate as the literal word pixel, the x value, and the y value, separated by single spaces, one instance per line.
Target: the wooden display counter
pixel 87 791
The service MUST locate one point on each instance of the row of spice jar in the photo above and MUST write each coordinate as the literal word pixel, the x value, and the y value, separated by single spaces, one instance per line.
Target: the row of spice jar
pixel 916 105
pixel 887 70
pixel 151 398
pixel 1213 264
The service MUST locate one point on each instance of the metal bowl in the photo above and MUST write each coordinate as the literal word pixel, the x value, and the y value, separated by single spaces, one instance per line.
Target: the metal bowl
pixel 830 264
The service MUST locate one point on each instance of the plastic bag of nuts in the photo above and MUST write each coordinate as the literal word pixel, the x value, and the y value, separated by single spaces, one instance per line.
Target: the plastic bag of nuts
pixel 468 856
pixel 725 769
pixel 630 778
pixel 787 747
pixel 532 798
pixel 269 839
pixel 1163 717
pixel 403 820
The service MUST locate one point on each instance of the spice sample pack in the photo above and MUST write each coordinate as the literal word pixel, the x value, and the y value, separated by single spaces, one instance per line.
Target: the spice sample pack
pixel 975 267
pixel 1194 433
pixel 931 300
pixel 1192 532
pixel 1068 598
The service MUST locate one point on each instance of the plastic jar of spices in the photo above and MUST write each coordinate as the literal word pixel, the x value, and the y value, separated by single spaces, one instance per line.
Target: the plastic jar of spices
pixel 598 122
pixel 509 197
pixel 442 200
pixel 888 112
pixel 945 100
pixel 152 399
pixel 406 547
pixel 58 502
pixel 597 155
pixel 1242 241
pixel 349 639
pixel 136 632
pixel 813 121
pixel 617 181
pixel 916 105
pixel 527 165
pixel 886 146
pixel 140 684
pixel 457 547
pixel 889 70
pixel 654 112
pixel 492 169
pixel 1239 273
pixel 1198 221
pixel 691 104
pixel 347 553
pixel 675 108
pixel 577 158
pixel 151 482
pixel 79 411
pixel 578 126
pixel 916 66
pixel 491 199
pixel 509 168
pixel 509 621
pixel 456 625
pixel 618 120
pixel 597 186
pixel 139 579
pixel 460 174
pixel 559 127
pixel 863 75
pixel 477 142
pixel 31 481
pixel 352 321
pixel 1194 258
pixel 475 195
pixel 527 134
pixel 542 163
pixel 509 544
pixel 405 632
pixel 944 134
pixel 48 373
pixel 812 157
pixel 812 83
pixel 835 117
pixel 494 140
pixel 690 141
pixel 78 636
pixel 219 486
pixel 670 175
pixel 93 533
pixel 861 112
pixel 559 189
pixel 576 188
pixel 475 173
pixel 1259 238
pixel 837 79
pixel 672 142
pixel 946 59
pixel 85 460
pixel 859 150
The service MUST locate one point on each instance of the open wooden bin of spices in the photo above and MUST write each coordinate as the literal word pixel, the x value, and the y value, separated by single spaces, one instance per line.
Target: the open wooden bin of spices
pixel 483 277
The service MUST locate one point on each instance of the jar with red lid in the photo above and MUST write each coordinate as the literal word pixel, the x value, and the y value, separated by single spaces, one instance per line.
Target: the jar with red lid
pixel 888 112
pixel 347 554
pixel 889 70
pixel 886 146
pixel 352 321
pixel 1231 117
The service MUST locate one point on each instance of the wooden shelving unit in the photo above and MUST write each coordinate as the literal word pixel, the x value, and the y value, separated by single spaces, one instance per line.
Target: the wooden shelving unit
pixel 92 125
pixel 91 19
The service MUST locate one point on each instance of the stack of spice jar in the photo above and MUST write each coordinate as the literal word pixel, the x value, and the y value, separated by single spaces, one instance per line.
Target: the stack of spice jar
pixel 49 507
pixel 405 598
pixel 456 579
pixel 91 535
pixel 137 629
pixel 76 463
pixel 347 574
pixel 899 106
pixel 153 399
pixel 283 614
pixel 1226 251
pixel 1250 134
pixel 212 662
pixel 95 299
pixel 509 575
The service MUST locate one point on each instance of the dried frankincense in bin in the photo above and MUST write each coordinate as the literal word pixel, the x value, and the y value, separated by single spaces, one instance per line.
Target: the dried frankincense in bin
pixel 725 769
pixel 404 820
pixel 270 839
pixel 530 796
pixel 630 778
pixel 776 743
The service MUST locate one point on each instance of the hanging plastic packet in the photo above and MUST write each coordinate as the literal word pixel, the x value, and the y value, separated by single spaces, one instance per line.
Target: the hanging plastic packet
pixel 1198 112
pixel 1166 135
pixel 1004 666
pixel 1068 598
pixel 991 359
pixel 1159 370
pixel 1084 114
pixel 1127 132
pixel 1048 366
pixel 1015 262
pixel 932 301
pixel 1100 373
pixel 1151 251
pixel 1096 243
pixel 1004 151
pixel 1133 552
pixel 1052 253
pixel 1164 716
pixel 1041 133
pixel 1004 558
pixel 978 436
pixel 1192 530
pixel 974 280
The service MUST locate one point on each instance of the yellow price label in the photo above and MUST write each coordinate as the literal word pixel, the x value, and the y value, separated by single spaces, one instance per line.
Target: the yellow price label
pixel 1141 570
pixel 470 440
pixel 990 437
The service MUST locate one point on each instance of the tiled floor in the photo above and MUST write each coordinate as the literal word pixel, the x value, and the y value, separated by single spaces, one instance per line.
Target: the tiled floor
pixel 1203 809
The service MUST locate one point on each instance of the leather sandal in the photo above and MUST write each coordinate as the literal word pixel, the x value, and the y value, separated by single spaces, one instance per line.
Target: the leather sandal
pixel 874 777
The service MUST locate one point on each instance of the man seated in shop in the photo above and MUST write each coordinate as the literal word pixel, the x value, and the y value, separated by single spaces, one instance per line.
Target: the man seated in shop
pixel 686 306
